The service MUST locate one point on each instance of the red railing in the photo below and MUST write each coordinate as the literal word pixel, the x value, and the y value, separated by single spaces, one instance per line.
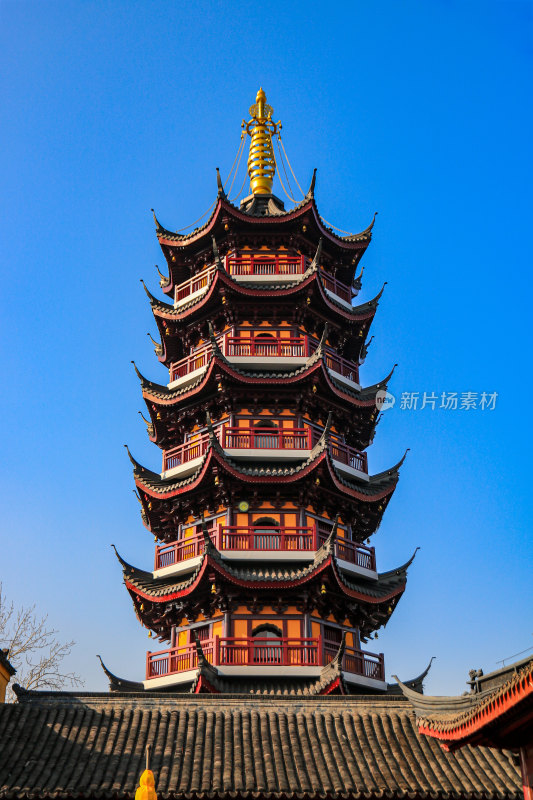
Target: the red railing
pixel 259 265
pixel 263 651
pixel 263 439
pixel 194 284
pixel 177 659
pixel 369 665
pixel 168 554
pixel 349 456
pixel 237 538
pixel 347 550
pixel 266 265
pixel 264 345
pixel 197 360
pixel 267 438
pixel 263 538
pixel 336 287
pixel 345 368
pixel 267 346
pixel 185 452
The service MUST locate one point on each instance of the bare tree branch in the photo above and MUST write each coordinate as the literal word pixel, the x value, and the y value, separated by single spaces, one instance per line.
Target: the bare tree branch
pixel 34 649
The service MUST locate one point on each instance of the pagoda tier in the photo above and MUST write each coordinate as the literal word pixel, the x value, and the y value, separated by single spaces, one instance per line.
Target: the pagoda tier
pixel 221 481
pixel 215 583
pixel 305 304
pixel 218 386
pixel 298 230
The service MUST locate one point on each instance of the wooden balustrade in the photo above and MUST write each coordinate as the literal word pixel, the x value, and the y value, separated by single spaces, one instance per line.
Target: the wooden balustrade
pixel 194 284
pixel 197 360
pixel 265 345
pixel 336 287
pixel 349 455
pixel 235 438
pixel 258 264
pixel 348 550
pixel 226 537
pixel 267 438
pixel 263 538
pixel 263 651
pixel 348 369
pixel 186 452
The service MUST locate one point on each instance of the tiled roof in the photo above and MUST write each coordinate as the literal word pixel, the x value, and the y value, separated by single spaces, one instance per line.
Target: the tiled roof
pixel 442 716
pixel 85 745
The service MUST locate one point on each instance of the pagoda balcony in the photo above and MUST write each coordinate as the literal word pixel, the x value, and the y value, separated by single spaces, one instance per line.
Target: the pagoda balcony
pixel 253 543
pixel 262 656
pixel 193 288
pixel 266 444
pixel 260 269
pixel 269 351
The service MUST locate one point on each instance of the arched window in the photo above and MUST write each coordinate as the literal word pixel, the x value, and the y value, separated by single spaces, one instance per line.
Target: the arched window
pixel 267 645
pixel 266 434
pixel 266 534
pixel 265 344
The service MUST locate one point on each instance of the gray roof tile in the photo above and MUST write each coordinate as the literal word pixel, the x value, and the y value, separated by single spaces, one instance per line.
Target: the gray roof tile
pixel 67 745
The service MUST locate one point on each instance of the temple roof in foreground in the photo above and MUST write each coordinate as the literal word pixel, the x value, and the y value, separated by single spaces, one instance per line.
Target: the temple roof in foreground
pixel 64 745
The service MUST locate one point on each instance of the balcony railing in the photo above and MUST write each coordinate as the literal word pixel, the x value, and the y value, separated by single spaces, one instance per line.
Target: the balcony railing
pixel 259 539
pixel 194 284
pixel 348 369
pixel 263 651
pixel 336 287
pixel 263 538
pixel 267 346
pixel 260 345
pixel 266 265
pixel 197 360
pixel 349 455
pixel 353 552
pixel 234 438
pixel 186 452
pixel 267 438
pixel 260 266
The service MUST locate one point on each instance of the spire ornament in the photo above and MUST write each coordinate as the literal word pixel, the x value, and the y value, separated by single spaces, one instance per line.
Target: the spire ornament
pixel 261 128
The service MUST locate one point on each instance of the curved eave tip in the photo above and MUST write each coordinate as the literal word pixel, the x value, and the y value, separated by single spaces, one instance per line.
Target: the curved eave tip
pixel 158 225
pixel 311 192
pixel 148 292
pixel 400 462
pixel 220 187
pixel 408 564
pixel 119 557
pixel 135 463
pixel 379 294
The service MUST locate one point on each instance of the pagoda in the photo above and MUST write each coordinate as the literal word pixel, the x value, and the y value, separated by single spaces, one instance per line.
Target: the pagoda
pixel 265 579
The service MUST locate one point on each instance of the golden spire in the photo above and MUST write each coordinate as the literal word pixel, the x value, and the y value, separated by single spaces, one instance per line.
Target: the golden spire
pixel 261 164
pixel 146 788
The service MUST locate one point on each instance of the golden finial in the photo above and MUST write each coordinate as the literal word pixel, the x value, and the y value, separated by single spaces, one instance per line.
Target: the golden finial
pixel 146 789
pixel 261 128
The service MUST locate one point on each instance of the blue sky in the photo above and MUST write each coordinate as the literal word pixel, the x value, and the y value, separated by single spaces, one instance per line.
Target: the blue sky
pixel 419 110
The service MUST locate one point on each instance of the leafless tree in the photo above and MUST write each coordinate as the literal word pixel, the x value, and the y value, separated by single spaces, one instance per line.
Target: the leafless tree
pixel 34 649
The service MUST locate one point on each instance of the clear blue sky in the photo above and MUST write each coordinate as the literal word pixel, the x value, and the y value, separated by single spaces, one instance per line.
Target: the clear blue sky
pixel 420 110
